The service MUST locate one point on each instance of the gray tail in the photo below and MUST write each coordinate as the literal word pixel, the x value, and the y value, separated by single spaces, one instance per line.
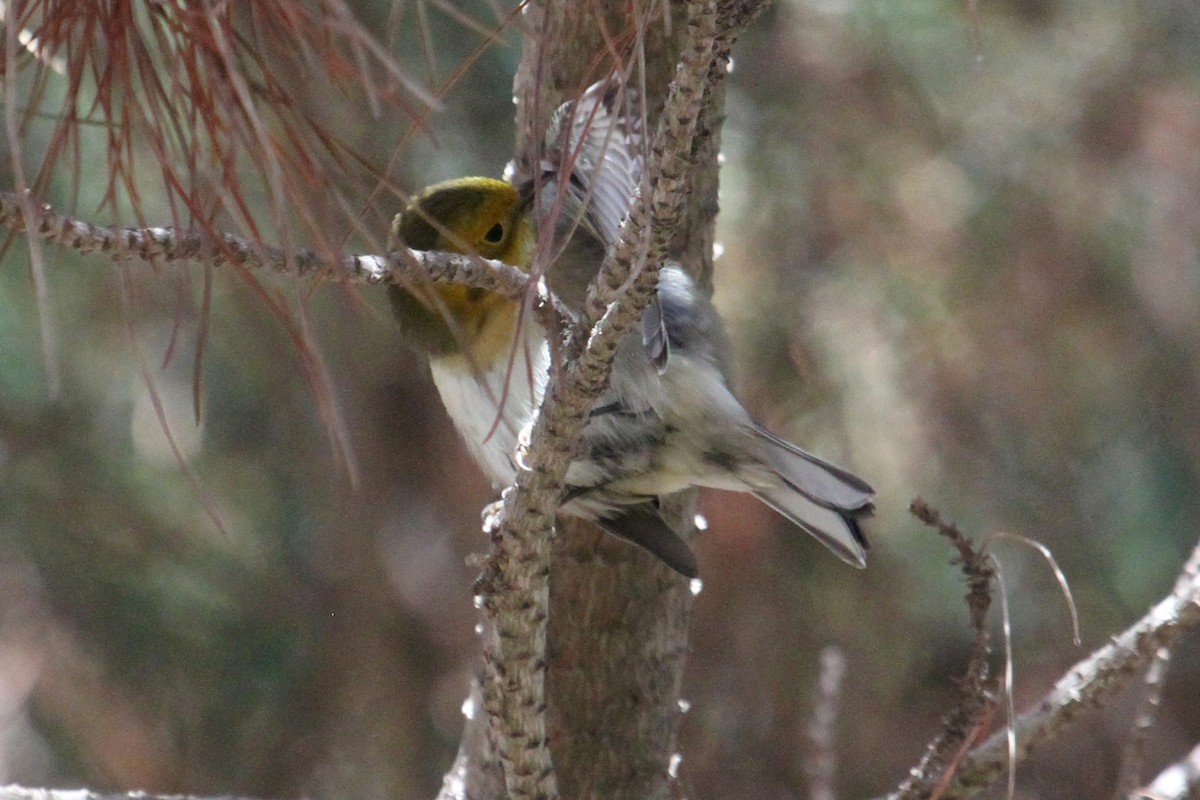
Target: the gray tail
pixel 823 499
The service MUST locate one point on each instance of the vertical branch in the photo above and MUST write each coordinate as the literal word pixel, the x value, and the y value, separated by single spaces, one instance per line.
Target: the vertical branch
pixel 975 707
pixel 515 585
pixel 654 219
pixel 605 605
pixel 515 592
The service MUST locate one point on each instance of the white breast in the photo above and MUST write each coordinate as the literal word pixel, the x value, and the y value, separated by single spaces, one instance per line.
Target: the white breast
pixel 474 398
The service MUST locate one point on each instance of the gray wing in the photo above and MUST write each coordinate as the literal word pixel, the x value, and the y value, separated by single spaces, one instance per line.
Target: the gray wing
pixel 654 334
pixel 595 142
pixel 642 525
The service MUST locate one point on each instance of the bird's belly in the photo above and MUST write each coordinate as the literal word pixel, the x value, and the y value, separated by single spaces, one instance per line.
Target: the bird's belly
pixel 491 404
pixel 677 467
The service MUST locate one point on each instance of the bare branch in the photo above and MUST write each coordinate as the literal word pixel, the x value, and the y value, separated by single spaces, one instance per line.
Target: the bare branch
pixel 1089 683
pixel 168 245
pixel 976 704
pixel 22 793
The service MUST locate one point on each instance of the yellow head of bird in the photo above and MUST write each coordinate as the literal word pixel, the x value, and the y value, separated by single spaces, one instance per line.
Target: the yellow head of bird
pixel 479 216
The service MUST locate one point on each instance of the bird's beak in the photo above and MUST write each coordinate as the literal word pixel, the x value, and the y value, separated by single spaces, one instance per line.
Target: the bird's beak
pixel 525 193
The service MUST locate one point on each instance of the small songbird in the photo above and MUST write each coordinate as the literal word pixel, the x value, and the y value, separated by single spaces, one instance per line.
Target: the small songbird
pixel 489 365
pixel 667 420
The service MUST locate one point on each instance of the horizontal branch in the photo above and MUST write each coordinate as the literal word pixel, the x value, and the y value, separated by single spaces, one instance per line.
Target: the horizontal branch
pixel 13 792
pixel 169 245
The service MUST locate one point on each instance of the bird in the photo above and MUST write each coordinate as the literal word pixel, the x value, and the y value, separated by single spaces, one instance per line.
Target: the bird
pixel 667 420
pixel 489 366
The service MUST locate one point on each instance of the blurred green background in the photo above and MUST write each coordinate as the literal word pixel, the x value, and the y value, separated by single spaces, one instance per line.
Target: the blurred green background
pixel 968 271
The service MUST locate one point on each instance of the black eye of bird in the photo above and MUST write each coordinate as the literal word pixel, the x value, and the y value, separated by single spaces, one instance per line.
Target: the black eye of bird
pixel 495 234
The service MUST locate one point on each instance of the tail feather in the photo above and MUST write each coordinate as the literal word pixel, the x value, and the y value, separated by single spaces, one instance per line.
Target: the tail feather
pixel 822 482
pixel 823 499
pixel 837 530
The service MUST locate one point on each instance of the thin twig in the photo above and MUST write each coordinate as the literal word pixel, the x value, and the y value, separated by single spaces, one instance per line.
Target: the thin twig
pixel 976 704
pixel 1089 683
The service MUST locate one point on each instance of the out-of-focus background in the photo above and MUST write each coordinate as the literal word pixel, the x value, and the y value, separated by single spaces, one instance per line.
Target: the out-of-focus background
pixel 961 257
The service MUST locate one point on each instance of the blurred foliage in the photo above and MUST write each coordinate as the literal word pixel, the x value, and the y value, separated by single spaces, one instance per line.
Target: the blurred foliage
pixel 967 268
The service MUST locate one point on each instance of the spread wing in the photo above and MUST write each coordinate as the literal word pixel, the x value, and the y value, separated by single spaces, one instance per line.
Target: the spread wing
pixel 595 142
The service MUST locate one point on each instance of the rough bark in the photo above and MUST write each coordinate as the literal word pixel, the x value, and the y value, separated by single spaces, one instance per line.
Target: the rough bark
pixel 616 626
pixel 617 621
